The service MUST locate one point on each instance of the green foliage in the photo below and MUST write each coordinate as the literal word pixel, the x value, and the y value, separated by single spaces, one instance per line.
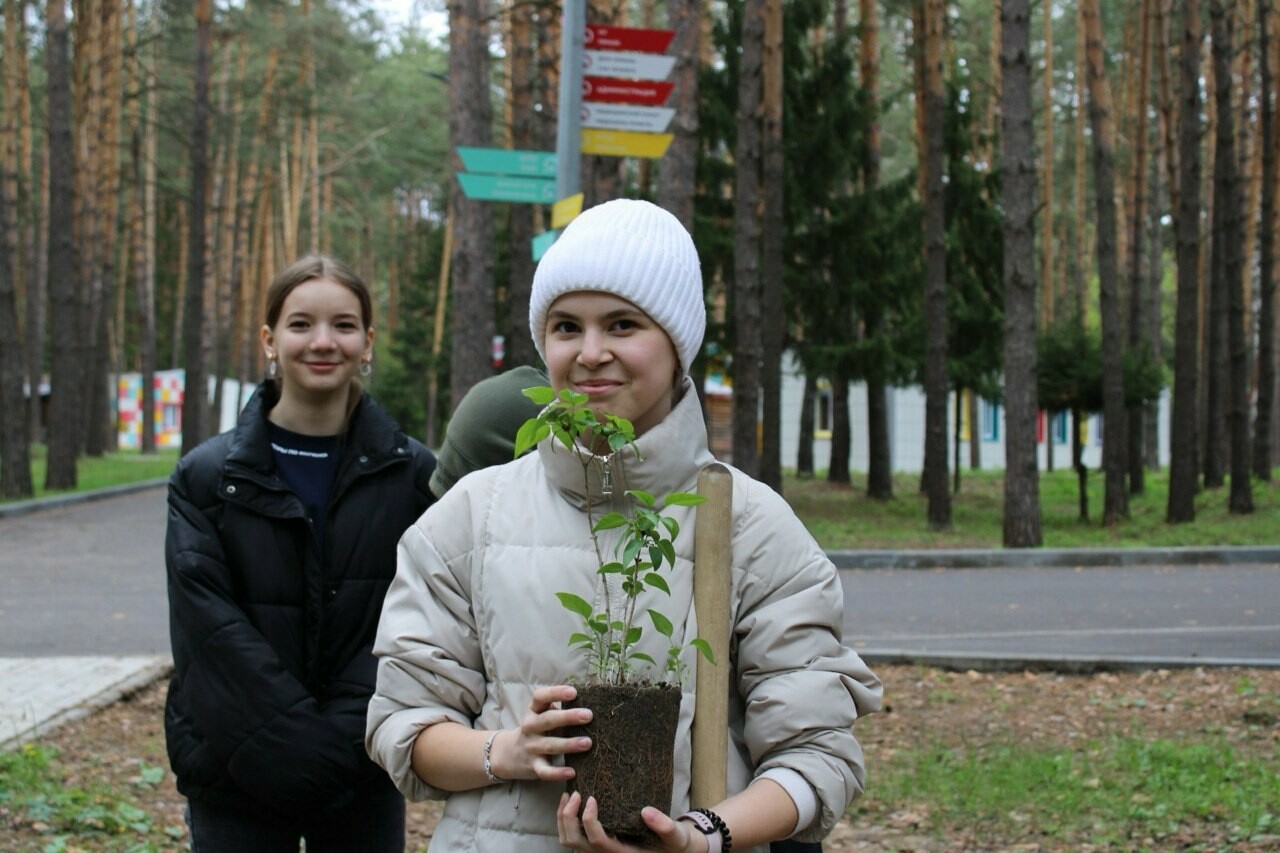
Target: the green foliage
pixel 31 787
pixel 1105 794
pixel 646 542
pixel 1069 367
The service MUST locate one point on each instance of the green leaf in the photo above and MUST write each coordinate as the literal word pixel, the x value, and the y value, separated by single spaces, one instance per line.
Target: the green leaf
pixel 575 603
pixel 684 499
pixel 530 433
pixel 617 441
pixel 610 521
pixel 655 556
pixel 642 496
pixel 704 647
pixel 611 569
pixel 580 639
pixel 642 656
pixel 657 581
pixel 540 394
pixel 668 550
pixel 661 624
pixel 673 528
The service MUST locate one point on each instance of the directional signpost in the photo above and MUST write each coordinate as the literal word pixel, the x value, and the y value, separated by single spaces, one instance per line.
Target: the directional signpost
pixel 650 93
pixel 623 117
pixel 501 174
pixel 603 37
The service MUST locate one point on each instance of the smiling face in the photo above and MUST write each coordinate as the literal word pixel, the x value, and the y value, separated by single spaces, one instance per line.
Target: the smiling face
pixel 319 340
pixel 605 347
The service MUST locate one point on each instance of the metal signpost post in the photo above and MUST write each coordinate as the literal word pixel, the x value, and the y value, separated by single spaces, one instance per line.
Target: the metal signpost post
pixel 569 121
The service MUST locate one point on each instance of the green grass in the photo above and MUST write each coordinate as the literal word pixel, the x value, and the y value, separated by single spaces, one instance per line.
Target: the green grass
pixel 69 816
pixel 112 469
pixel 843 517
pixel 1119 792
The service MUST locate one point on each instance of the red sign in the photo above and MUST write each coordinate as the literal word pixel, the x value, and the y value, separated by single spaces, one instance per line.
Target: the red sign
pixel 599 37
pixel 647 92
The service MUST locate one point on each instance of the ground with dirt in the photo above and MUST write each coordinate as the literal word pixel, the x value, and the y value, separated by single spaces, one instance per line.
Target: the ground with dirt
pixel 121 749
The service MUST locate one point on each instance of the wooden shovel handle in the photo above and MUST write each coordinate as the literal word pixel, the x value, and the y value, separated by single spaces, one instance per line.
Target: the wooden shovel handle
pixel 712 557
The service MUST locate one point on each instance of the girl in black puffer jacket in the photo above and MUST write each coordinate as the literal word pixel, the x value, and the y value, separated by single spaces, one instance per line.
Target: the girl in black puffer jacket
pixel 281 543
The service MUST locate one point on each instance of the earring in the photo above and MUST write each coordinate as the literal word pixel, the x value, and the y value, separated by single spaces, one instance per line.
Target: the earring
pixel 366 368
pixel 273 368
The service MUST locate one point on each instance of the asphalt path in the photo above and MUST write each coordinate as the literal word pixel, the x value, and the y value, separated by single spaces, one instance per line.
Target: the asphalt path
pixel 87 578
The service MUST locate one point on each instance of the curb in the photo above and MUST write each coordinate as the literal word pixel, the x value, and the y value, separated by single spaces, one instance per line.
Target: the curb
pixel 1038 558
pixel 17 508
pixel 1063 664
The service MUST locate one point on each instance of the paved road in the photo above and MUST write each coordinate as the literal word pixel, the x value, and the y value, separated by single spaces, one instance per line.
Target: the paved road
pixel 88 578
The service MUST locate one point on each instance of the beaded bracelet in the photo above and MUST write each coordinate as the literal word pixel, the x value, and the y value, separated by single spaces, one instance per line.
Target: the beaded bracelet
pixel 711 825
pixel 488 765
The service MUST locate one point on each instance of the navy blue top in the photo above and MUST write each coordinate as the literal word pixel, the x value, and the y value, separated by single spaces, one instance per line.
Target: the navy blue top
pixel 309 464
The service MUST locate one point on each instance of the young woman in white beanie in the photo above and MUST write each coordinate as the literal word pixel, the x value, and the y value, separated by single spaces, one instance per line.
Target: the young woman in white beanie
pixel 473 661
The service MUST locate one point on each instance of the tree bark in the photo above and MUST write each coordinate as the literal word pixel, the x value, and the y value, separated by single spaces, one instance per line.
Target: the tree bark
pixel 1017 197
pixel 1229 219
pixel 15 453
pixel 747 290
pixel 194 406
pixel 936 385
pixel 1184 421
pixel 771 262
pixel 804 447
pixel 1262 446
pixel 879 457
pixel 518 346
pixel 64 401
pixel 470 120
pixel 1114 444
pixel 1137 231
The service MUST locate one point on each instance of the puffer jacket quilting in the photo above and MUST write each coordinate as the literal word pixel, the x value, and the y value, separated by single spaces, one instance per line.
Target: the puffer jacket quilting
pixel 271 633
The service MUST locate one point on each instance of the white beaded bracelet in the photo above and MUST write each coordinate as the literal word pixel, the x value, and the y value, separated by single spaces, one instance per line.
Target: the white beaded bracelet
pixel 488 765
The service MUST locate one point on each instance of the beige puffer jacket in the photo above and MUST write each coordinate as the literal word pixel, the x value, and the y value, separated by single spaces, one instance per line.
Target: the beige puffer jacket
pixel 471 625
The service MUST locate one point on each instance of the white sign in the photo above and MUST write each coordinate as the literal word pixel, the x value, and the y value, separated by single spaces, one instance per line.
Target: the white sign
pixel 619 117
pixel 639 66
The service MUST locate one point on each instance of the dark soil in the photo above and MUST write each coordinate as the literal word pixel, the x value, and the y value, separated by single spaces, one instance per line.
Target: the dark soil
pixel 114 747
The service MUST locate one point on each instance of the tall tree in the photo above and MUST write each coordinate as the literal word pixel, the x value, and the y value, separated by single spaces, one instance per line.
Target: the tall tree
pixel 1017 195
pixel 1264 423
pixel 678 167
pixel 194 402
pixel 1115 502
pixel 1184 439
pixel 879 460
pixel 470 122
pixel 1228 268
pixel 64 379
pixel 15 454
pixel 771 264
pixel 1137 231
pixel 747 291
pixel 936 386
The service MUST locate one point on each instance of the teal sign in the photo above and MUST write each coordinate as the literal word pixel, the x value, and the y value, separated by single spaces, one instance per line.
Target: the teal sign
pixel 542 242
pixel 506 161
pixel 508 188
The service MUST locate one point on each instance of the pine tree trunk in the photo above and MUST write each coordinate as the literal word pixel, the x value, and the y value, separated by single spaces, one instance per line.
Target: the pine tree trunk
pixel 64 401
pixel 470 120
pixel 1017 197
pixel 771 261
pixel 194 406
pixel 1184 465
pixel 1137 230
pixel 1262 445
pixel 841 434
pixel 804 447
pixel 879 458
pixel 678 167
pixel 1114 446
pixel 936 385
pixel 518 346
pixel 1229 269
pixel 747 290
pixel 1048 291
pixel 15 453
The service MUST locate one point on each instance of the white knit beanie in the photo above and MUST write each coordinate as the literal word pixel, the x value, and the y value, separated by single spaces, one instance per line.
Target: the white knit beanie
pixel 633 249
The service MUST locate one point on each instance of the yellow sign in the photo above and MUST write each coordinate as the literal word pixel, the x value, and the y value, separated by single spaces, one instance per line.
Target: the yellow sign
pixel 566 210
pixel 625 143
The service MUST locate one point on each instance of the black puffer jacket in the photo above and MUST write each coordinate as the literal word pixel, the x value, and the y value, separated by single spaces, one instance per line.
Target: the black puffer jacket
pixel 272 636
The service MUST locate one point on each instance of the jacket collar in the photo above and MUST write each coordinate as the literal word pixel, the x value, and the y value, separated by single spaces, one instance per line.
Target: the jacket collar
pixel 370 433
pixel 665 459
